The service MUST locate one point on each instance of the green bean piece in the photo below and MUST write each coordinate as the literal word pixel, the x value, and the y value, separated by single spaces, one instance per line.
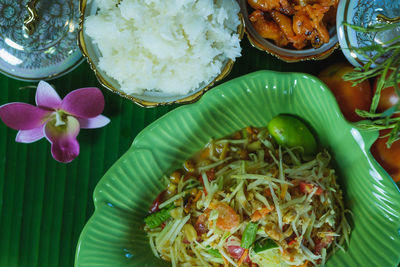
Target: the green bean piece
pixel 156 219
pixel 249 235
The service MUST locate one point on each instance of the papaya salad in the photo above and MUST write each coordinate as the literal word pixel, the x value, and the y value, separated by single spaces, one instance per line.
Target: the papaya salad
pixel 252 198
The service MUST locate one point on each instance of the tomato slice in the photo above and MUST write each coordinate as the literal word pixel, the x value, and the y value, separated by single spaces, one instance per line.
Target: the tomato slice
pixel 235 250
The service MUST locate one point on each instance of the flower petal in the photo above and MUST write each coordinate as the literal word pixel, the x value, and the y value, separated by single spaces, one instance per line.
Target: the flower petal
pixel 95 122
pixel 64 146
pixel 65 150
pixel 21 116
pixel 46 96
pixel 84 102
pixel 30 136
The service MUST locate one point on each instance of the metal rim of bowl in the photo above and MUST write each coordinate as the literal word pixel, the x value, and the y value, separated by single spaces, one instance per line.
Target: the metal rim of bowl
pixel 144 103
pixel 53 76
pixel 288 59
pixel 344 34
pixel 70 67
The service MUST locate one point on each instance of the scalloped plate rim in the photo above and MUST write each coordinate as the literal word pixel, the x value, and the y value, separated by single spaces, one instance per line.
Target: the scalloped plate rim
pixel 137 145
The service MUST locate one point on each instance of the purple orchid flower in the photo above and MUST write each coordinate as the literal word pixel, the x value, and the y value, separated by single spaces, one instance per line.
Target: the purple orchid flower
pixel 59 120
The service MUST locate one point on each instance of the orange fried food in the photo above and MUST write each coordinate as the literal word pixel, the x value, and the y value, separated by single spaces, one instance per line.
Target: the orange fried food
pixel 316 13
pixel 303 25
pixel 327 3
pixel 285 24
pixel 301 2
pixel 264 5
pixel 298 41
pixel 267 28
pixel 300 22
pixel 268 5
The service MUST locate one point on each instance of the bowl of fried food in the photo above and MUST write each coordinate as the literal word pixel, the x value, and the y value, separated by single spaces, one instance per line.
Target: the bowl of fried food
pixel 292 30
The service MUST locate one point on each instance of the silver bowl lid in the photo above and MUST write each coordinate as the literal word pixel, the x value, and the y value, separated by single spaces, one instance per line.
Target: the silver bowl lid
pixel 44 47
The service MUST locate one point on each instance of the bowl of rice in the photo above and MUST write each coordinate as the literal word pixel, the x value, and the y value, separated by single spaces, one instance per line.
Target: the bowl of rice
pixel 160 52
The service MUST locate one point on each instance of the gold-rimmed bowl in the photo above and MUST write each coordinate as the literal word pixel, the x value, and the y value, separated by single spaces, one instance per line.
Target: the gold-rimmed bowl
pixel 285 54
pixel 363 13
pixel 149 98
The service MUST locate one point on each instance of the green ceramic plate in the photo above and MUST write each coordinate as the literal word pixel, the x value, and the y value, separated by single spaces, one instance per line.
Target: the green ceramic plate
pixel 114 236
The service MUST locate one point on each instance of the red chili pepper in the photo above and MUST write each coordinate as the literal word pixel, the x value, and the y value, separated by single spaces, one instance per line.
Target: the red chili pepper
pixel 156 203
pixel 202 182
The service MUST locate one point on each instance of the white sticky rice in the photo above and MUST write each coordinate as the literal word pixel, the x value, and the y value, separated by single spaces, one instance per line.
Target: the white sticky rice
pixel 172 46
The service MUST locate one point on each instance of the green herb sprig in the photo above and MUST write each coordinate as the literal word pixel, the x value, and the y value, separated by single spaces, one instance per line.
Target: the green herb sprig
pixel 384 64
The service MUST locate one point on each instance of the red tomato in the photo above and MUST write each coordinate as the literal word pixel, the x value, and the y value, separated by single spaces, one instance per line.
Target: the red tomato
pixel 388 97
pixel 156 203
pixel 389 158
pixel 235 250
pixel 396 175
pixel 348 97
